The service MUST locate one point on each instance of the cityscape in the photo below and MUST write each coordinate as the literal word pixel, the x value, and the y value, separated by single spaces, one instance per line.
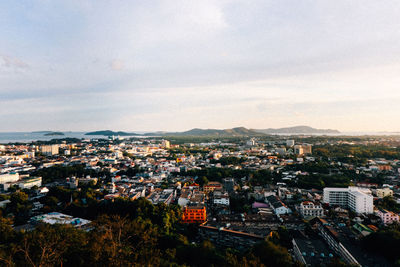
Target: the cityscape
pixel 312 200
pixel 221 133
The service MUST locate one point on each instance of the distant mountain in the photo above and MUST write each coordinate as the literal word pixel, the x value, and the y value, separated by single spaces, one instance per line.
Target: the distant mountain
pixel 41 132
pixel 111 133
pixel 54 134
pixel 296 130
pixel 238 131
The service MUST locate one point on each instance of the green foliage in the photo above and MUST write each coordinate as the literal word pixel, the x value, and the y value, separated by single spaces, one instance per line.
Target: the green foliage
pixel 356 153
pixel 19 207
pixel 57 172
pixel 282 238
pixel 202 181
pixel 388 203
pixel 311 167
pixel 257 177
pixel 321 181
pixel 271 254
pixel 228 161
pixel 130 172
pixel 386 242
pixel 126 233
pixel 4 197
pixel 239 203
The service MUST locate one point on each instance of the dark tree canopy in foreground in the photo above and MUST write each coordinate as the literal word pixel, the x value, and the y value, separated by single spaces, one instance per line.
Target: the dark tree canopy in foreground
pixel 127 233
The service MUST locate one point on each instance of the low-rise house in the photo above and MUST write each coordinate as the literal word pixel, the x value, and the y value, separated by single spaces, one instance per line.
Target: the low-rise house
pixel 386 216
pixel 384 192
pixel 277 205
pixel 311 209
pixel 220 198
pixel 211 186
pixel 59 218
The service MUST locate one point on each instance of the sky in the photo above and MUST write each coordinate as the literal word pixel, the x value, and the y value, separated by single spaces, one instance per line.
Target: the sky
pixel 173 65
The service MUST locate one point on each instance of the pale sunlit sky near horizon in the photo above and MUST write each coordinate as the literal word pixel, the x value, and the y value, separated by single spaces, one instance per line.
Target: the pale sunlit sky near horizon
pixel 173 65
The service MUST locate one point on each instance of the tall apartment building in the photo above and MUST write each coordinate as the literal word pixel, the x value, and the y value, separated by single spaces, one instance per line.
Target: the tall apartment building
pixel 49 150
pixel 303 149
pixel 298 150
pixel 166 144
pixel 356 199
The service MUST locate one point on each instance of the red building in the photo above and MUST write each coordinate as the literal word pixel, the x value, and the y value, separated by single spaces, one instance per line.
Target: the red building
pixel 194 214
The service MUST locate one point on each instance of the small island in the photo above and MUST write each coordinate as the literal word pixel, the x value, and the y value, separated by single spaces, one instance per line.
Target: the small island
pixel 111 133
pixel 54 134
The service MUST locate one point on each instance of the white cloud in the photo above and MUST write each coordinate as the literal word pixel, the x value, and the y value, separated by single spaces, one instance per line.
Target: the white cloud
pixel 182 64
pixel 8 62
pixel 117 64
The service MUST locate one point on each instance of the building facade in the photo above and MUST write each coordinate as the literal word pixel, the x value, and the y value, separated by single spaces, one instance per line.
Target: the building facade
pixel 211 186
pixel 303 149
pixel 49 150
pixel 354 198
pixel 194 214
pixel 386 216
pixel 30 182
pixel 310 209
pixel 384 192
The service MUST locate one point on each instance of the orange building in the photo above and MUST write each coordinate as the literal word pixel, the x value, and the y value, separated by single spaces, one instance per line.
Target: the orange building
pixel 385 167
pixel 194 214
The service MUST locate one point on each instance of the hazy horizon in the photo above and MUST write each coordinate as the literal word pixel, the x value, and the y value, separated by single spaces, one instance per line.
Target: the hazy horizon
pixel 176 65
pixel 154 131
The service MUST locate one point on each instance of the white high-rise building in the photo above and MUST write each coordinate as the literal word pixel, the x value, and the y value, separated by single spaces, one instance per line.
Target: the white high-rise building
pixel 354 198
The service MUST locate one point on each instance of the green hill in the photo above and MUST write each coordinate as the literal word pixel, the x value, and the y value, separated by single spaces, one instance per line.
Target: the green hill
pixel 111 133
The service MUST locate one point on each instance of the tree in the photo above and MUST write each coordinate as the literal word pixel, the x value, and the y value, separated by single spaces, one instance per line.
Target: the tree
pixel 118 241
pixel 271 254
pixel 7 248
pixel 53 245
pixel 203 181
pixel 388 203
pixel 19 207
